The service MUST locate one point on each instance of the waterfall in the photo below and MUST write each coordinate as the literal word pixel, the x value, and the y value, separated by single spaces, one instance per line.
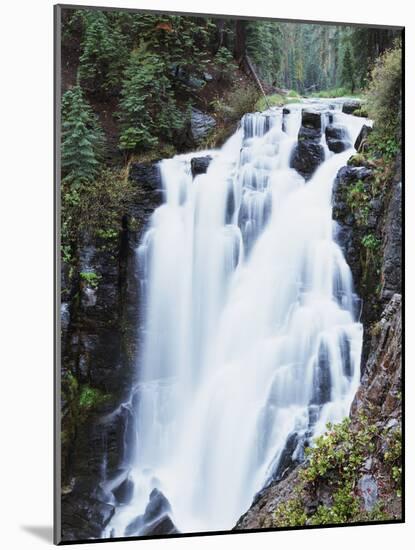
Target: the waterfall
pixel 251 339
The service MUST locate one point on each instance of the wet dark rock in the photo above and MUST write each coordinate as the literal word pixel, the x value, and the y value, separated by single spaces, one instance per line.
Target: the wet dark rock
pixel 350 106
pixel 311 119
pixel 336 138
pixel 84 517
pixel 161 526
pixel 147 175
pixel 157 505
pixel 306 157
pixel 287 460
pixel 134 527
pixel 308 154
pixel 338 145
pixel 362 138
pixel 335 132
pixel 199 165
pixel 345 354
pixel 322 378
pixel 155 520
pixel 124 492
pixel 286 111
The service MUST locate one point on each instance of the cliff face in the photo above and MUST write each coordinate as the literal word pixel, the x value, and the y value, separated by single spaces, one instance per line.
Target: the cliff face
pixel 100 317
pixel 354 472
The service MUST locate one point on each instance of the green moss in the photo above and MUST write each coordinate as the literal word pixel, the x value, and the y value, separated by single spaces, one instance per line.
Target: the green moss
pixel 91 398
pixel 361 111
pixel 370 242
pixel 90 278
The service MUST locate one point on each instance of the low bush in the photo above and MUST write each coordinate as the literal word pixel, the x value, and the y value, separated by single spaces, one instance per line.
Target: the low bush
pixel 384 102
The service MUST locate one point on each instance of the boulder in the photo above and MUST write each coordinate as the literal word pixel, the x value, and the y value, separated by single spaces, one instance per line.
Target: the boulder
pixel 155 520
pixel 308 154
pixel 161 526
pixel 199 165
pixel 335 132
pixel 124 491
pixel 84 517
pixel 338 145
pixel 306 157
pixel 336 138
pixel 311 119
pixel 362 137
pixel 368 490
pixel 201 124
pixel 350 106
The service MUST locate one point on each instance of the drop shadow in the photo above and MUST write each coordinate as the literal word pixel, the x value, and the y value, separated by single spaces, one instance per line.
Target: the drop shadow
pixel 44 533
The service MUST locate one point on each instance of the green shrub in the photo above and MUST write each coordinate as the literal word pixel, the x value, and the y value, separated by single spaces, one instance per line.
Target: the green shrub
pixel 335 461
pixel 239 101
pixel 90 278
pixel 384 102
pixel 95 208
pixel 371 242
pixel 224 64
pixel 90 398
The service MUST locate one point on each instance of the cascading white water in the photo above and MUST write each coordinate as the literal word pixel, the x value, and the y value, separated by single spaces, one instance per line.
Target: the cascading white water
pixel 250 336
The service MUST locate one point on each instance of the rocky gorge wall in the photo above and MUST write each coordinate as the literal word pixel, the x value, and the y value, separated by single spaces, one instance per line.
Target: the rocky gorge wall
pixel 100 322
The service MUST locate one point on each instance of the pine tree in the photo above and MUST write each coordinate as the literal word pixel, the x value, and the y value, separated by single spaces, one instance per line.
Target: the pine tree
pixel 104 51
pixel 348 79
pixel 82 138
pixel 148 108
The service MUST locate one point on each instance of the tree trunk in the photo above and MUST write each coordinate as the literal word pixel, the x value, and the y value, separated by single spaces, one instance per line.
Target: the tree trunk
pixel 220 29
pixel 240 41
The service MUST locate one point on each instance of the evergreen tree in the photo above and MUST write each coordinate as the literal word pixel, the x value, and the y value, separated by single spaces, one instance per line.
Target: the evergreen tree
pixel 148 108
pixel 104 51
pixel 82 138
pixel 348 78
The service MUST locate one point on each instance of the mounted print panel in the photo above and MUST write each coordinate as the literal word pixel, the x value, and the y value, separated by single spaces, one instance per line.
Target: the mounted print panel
pixel 229 274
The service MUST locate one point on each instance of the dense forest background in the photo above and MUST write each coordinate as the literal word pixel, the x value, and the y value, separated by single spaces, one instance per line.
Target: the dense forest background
pixel 130 82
